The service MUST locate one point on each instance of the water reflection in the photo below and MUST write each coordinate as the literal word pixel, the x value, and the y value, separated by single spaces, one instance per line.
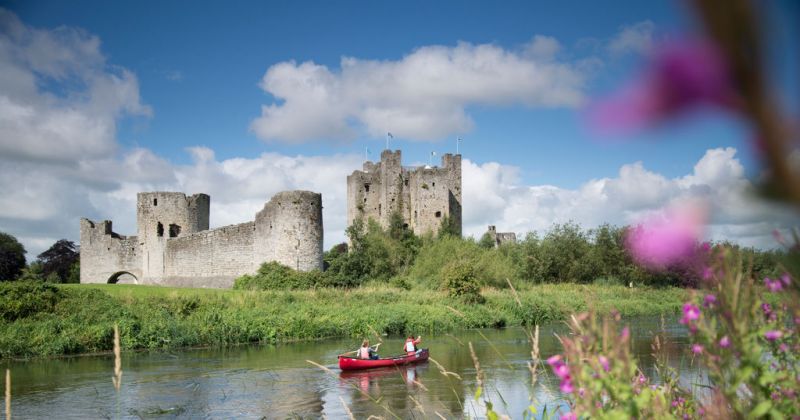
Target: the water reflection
pixel 276 381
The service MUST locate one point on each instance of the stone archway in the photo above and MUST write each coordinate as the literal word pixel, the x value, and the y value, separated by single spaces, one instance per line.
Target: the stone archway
pixel 123 277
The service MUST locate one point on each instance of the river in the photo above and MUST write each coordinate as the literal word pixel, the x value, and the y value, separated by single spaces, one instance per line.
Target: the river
pixel 277 382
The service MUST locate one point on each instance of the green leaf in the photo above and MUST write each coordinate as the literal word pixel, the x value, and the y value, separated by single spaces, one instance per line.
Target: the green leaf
pixel 761 409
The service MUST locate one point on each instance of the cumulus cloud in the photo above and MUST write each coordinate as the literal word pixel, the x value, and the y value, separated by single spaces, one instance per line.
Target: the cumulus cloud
pixel 636 38
pixel 75 117
pixel 422 96
pixel 493 195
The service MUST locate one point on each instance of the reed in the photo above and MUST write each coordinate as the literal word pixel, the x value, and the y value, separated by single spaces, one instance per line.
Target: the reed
pixel 8 394
pixel 117 378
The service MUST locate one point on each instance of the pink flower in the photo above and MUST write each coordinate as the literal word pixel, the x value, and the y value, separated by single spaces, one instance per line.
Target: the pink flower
pixel 697 348
pixel 569 416
pixel 625 334
pixel 642 379
pixel 681 75
pixel 691 313
pixel 667 239
pixel 566 386
pixel 773 335
pixel 725 342
pixel 786 279
pixel 709 301
pixel 783 348
pixel 604 363
pixel 773 285
pixel 708 273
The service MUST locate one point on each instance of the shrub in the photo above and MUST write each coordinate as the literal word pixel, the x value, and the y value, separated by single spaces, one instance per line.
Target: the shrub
pixel 460 280
pixel 24 298
pixel 275 276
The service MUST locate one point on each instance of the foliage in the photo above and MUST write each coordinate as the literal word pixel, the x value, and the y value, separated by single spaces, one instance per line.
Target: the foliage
pixel 12 257
pixel 24 298
pixel 58 259
pixel 275 276
pixel 744 334
pixel 150 317
pixel 449 227
pixel 33 272
pixel 460 280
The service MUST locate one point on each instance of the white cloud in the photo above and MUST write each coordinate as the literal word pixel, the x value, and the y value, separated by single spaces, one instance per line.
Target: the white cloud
pixel 75 117
pixel 493 195
pixel 636 38
pixel 422 96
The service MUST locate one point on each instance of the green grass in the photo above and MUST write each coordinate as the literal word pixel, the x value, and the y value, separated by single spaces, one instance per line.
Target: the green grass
pixel 150 317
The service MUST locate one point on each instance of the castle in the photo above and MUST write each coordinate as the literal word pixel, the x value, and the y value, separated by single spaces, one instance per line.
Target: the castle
pixel 423 196
pixel 175 247
pixel 500 238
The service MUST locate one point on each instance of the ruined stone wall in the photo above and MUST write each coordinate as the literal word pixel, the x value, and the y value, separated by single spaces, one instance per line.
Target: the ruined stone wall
pixel 423 195
pixel 211 258
pixel 289 230
pixel 105 255
pixel 500 238
pixel 174 246
pixel 164 215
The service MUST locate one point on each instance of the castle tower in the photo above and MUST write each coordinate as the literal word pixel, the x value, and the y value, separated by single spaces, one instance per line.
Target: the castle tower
pixel 423 196
pixel 163 215
pixel 289 230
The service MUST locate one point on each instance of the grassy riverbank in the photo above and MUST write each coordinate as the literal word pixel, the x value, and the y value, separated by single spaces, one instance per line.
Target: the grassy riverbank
pixel 47 320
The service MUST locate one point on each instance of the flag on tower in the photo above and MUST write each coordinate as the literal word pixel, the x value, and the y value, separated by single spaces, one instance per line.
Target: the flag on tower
pixel 390 135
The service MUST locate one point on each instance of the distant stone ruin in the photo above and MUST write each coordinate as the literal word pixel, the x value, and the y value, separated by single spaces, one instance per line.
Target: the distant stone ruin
pixel 500 238
pixel 174 246
pixel 423 195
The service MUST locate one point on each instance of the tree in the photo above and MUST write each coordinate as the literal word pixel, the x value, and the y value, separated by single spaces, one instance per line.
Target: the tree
pixel 59 259
pixel 12 257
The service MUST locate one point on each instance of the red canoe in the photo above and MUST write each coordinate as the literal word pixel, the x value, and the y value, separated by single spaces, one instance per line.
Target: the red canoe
pixel 351 363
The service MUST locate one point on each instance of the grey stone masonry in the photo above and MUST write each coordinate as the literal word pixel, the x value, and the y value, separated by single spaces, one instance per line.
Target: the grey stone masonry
pixel 501 238
pixel 174 246
pixel 423 195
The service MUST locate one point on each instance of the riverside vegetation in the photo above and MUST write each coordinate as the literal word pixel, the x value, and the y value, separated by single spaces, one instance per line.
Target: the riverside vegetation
pixel 391 282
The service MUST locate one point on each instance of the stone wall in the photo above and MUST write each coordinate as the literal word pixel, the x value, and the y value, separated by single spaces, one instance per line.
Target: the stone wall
pixel 422 195
pixel 500 238
pixel 211 258
pixel 106 255
pixel 174 246
pixel 289 230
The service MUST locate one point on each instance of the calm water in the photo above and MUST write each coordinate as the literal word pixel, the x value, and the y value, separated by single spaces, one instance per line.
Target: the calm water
pixel 277 382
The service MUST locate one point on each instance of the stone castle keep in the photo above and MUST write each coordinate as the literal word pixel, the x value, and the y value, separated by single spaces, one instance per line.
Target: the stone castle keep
pixel 175 247
pixel 423 195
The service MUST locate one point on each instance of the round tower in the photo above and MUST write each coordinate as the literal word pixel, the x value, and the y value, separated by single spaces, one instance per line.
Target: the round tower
pixel 289 231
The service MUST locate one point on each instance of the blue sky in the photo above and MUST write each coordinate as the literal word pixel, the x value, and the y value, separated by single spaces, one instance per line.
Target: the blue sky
pixel 192 76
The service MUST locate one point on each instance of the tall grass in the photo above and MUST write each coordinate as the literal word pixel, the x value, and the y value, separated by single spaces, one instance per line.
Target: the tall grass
pixel 81 319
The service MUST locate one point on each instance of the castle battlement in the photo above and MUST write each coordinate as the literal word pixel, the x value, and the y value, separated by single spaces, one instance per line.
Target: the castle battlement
pixel 422 195
pixel 175 247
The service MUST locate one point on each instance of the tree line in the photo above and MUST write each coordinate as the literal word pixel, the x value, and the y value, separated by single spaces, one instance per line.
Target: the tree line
pixel 566 253
pixel 58 264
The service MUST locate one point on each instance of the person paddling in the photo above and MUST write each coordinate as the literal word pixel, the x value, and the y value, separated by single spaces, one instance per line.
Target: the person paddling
pixel 367 352
pixel 411 344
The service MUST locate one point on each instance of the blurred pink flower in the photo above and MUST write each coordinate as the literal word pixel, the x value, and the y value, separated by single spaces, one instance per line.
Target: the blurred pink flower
pixel 604 363
pixel 566 386
pixel 725 342
pixel 709 301
pixel 690 313
pixel 668 239
pixel 773 285
pixel 569 416
pixel 773 335
pixel 697 348
pixel 680 75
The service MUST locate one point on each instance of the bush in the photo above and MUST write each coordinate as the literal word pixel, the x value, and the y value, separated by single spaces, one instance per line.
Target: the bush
pixel 23 299
pixel 275 276
pixel 460 280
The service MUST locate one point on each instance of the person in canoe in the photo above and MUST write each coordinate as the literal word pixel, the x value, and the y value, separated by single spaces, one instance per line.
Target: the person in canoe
pixel 367 352
pixel 410 345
